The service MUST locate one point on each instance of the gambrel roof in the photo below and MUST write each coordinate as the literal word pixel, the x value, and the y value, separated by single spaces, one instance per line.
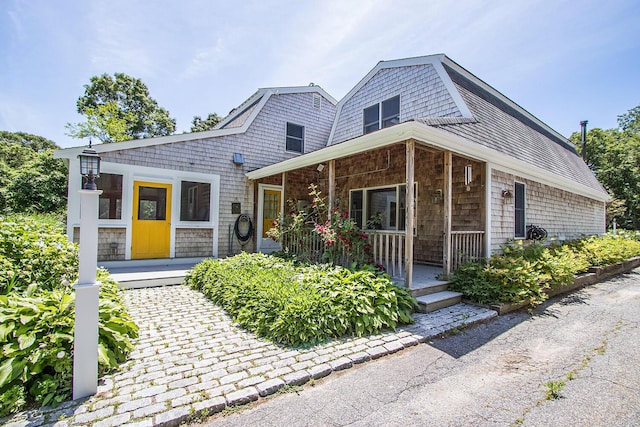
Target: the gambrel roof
pixel 484 123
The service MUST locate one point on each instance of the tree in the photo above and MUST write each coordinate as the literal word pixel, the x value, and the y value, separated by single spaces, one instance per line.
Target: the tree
pixel 106 122
pixel 630 121
pixel 614 156
pixel 199 125
pixel 112 104
pixel 31 180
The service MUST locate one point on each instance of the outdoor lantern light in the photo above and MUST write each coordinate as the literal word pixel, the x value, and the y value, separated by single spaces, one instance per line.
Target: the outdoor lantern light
pixel 89 167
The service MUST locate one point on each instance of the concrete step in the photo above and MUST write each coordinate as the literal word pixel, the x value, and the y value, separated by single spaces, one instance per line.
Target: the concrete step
pixel 431 288
pixel 438 300
pixel 149 276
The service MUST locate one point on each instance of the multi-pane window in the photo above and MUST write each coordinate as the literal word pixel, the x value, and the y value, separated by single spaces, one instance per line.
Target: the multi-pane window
pixel 110 205
pixel 195 201
pixel 520 227
pixel 382 115
pixel 295 138
pixel 379 208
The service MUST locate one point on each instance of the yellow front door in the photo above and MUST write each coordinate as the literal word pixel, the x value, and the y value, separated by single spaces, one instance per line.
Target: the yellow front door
pixel 270 210
pixel 271 201
pixel 151 227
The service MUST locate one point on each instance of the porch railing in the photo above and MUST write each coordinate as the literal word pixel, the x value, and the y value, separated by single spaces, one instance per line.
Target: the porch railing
pixel 388 250
pixel 466 246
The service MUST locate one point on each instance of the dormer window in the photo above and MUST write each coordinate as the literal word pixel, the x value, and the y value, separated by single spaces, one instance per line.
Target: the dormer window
pixel 386 113
pixel 295 138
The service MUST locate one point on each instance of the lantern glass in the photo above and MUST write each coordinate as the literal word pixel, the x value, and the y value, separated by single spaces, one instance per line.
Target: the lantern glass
pixel 89 163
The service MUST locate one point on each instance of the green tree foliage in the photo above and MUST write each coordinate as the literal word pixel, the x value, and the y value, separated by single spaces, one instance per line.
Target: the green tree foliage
pixel 614 156
pixel 106 122
pixel 199 125
pixel 31 180
pixel 112 103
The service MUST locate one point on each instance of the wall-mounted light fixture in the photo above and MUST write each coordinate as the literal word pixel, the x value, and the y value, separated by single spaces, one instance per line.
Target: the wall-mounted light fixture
pixel 238 159
pixel 468 176
pixel 507 194
pixel 320 167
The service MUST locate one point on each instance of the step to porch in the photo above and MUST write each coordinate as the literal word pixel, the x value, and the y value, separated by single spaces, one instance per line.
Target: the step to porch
pixel 429 288
pixel 149 276
pixel 438 300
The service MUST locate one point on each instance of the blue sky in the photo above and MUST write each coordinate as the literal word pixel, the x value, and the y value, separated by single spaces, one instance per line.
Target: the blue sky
pixel 563 61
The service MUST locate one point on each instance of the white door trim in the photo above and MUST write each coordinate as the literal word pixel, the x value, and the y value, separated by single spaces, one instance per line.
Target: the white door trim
pixel 259 221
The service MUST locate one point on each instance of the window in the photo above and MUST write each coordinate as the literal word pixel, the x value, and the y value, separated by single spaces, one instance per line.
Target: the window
pixel 295 138
pixel 380 208
pixel 195 201
pixel 152 203
pixel 386 113
pixel 520 228
pixel 110 205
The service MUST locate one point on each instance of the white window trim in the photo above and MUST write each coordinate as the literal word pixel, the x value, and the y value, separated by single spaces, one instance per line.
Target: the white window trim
pixel 524 220
pixel 380 187
pixel 286 135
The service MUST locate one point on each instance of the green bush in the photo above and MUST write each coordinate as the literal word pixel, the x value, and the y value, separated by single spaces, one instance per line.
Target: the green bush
pixel 301 305
pixel 36 335
pixel 34 251
pixel 526 272
pixel 609 249
pixel 37 265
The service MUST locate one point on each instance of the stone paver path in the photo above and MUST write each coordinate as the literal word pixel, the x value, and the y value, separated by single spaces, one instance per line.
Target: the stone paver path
pixel 191 359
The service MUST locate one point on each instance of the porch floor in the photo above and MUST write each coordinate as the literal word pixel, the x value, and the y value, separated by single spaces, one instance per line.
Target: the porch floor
pixel 423 275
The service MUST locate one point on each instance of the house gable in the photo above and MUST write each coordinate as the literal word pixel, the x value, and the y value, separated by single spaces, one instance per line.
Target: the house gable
pixel 424 88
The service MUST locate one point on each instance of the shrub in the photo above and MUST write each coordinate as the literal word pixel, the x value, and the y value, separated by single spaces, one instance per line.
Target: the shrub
pixel 301 305
pixel 37 265
pixel 36 334
pixel 525 272
pixel 34 251
pixel 609 249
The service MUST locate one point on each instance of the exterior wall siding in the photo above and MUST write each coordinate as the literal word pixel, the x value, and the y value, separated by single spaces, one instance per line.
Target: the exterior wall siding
pixel 422 94
pixel 262 144
pixel 111 243
pixel 565 215
pixel 194 242
pixel 386 166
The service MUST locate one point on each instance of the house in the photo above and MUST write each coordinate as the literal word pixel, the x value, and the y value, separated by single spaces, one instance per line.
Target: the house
pixel 420 143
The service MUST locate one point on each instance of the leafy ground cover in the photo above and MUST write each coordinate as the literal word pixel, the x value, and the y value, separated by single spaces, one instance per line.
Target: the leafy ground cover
pixel 525 272
pixel 300 305
pixel 37 268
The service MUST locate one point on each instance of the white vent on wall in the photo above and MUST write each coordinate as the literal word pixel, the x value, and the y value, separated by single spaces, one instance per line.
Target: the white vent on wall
pixel 316 101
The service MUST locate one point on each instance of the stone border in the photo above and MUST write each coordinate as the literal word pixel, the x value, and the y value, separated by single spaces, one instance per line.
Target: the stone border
pixel 594 275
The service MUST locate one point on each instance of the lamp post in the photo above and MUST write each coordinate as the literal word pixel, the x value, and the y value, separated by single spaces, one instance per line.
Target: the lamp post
pixel 85 334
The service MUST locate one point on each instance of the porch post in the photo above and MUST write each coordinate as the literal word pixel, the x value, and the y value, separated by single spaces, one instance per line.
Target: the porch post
pixel 408 212
pixel 284 191
pixel 487 207
pixel 332 183
pixel 446 255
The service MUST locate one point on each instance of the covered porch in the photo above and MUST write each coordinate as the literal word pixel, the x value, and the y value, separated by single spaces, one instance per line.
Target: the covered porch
pixel 441 196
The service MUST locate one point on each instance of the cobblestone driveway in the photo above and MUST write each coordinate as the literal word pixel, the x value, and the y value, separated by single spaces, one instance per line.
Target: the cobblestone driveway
pixel 190 358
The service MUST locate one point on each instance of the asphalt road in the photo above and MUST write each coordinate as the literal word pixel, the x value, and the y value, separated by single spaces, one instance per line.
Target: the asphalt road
pixel 494 374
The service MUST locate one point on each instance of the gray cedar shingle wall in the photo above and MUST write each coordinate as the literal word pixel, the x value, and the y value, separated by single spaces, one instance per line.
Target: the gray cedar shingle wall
pixel 263 144
pixel 565 216
pixel 422 94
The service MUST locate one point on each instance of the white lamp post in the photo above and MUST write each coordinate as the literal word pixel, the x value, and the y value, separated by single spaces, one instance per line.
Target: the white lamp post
pixel 85 335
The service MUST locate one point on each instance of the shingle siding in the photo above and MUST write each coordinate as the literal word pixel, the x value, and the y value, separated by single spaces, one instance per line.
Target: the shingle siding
pixel 262 144
pixel 565 216
pixel 422 94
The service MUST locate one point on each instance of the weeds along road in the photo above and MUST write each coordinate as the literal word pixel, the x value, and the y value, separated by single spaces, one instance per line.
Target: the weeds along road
pixel 583 347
